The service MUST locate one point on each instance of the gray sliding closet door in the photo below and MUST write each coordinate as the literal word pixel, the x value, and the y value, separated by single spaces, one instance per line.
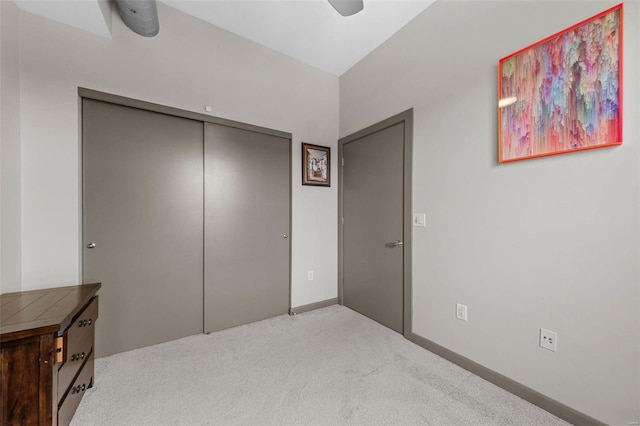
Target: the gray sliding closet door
pixel 247 226
pixel 143 210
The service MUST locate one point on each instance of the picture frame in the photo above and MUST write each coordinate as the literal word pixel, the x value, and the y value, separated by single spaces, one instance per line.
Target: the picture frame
pixel 563 93
pixel 316 165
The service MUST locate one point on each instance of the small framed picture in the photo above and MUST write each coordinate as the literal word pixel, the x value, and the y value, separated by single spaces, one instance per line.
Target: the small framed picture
pixel 316 165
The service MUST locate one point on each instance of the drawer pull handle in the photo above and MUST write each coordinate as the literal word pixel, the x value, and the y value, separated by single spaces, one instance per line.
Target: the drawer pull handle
pixel 78 357
pixel 84 323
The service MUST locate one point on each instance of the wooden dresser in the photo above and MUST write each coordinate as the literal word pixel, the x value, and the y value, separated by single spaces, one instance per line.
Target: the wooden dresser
pixel 46 342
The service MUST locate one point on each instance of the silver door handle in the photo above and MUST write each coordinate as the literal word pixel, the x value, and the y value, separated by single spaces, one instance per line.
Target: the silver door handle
pixel 91 245
pixel 396 243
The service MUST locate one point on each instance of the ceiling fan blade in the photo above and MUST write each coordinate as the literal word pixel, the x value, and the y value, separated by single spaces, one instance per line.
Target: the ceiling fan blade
pixel 141 16
pixel 347 7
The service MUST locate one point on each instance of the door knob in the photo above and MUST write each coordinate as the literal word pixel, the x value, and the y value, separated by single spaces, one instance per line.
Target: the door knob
pixel 285 236
pixel 396 243
pixel 91 245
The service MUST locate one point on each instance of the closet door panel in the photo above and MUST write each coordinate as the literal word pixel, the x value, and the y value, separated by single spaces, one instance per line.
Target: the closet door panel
pixel 247 226
pixel 143 210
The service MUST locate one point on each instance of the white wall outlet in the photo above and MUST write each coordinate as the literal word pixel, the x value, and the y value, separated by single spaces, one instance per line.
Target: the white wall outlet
pixel 310 275
pixel 549 339
pixel 419 219
pixel 461 311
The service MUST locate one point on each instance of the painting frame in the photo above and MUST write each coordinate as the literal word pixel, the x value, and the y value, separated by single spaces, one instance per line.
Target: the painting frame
pixel 555 102
pixel 316 165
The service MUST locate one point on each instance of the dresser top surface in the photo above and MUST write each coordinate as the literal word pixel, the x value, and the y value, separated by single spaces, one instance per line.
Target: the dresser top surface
pixel 31 313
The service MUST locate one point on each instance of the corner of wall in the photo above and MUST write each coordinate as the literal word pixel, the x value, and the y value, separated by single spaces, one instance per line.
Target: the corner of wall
pixel 1 215
pixel 10 175
pixel 106 7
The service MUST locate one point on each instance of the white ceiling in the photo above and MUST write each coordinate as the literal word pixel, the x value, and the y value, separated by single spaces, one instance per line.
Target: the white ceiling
pixel 308 30
pixel 83 14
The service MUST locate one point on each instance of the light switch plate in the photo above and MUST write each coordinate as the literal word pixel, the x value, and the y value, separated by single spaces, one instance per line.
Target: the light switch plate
pixel 420 219
pixel 461 311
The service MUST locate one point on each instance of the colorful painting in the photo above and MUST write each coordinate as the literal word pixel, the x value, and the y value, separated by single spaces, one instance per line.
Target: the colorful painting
pixel 564 93
pixel 316 165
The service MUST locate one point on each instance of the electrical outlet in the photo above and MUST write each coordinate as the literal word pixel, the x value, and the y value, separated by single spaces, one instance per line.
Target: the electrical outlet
pixel 310 275
pixel 549 339
pixel 461 311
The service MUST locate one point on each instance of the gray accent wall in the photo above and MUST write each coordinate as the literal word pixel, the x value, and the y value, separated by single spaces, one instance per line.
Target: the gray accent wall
pixel 551 242
pixel 10 210
pixel 189 65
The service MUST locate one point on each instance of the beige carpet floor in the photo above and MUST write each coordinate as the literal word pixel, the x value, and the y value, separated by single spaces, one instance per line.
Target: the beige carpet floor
pixel 332 366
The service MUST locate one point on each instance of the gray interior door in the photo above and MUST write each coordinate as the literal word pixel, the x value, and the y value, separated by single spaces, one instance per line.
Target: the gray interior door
pixel 247 226
pixel 143 210
pixel 372 179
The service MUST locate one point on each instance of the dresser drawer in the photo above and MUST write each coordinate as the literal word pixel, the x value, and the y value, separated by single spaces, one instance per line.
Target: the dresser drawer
pixel 34 329
pixel 78 343
pixel 70 403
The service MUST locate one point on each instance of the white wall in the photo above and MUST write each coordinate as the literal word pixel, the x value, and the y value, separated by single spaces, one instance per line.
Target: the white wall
pixel 552 242
pixel 10 241
pixel 190 64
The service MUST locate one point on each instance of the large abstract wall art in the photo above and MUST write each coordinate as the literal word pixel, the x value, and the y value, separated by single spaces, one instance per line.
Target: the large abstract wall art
pixel 564 93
